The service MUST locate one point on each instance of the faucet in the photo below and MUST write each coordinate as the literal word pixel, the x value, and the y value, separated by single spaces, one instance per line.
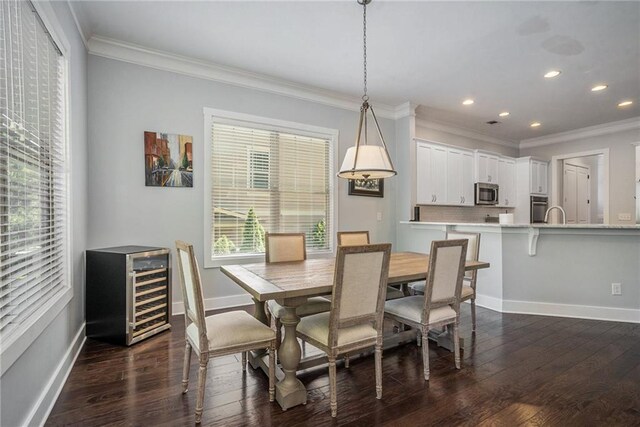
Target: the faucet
pixel 564 214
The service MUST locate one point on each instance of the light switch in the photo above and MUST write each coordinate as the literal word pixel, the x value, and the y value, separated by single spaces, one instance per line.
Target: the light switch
pixel 379 216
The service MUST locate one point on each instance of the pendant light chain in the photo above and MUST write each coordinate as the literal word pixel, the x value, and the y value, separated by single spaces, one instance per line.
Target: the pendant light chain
pixel 365 97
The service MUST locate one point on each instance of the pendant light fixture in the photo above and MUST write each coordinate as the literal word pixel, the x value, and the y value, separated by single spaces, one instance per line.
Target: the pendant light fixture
pixel 364 161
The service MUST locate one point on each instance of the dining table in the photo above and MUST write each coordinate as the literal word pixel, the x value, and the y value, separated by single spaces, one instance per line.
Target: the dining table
pixel 291 284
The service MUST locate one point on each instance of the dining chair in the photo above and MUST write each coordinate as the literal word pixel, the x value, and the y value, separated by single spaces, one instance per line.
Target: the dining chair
pixel 470 277
pixel 219 334
pixel 440 305
pixel 352 238
pixel 355 321
pixel 288 247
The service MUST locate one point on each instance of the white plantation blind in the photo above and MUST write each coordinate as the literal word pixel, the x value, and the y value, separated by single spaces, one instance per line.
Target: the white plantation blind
pixel 266 179
pixel 33 181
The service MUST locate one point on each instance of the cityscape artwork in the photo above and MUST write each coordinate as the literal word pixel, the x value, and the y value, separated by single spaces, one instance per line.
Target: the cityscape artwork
pixel 168 160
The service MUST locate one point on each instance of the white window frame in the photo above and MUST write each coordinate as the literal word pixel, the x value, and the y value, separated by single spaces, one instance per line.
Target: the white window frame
pixel 212 115
pixel 19 340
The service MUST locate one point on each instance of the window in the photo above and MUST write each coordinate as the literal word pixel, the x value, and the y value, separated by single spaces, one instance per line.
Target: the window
pixel 34 243
pixel 266 176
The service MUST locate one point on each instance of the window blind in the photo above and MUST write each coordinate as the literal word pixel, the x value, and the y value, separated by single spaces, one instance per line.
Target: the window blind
pixel 33 182
pixel 268 180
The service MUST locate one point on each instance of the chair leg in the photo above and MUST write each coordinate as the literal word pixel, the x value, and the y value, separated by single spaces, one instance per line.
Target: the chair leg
pixel 378 358
pixel 185 367
pixel 418 339
pixel 346 360
pixel 425 353
pixel 272 371
pixel 332 386
pixel 244 360
pixel 473 314
pixel 456 343
pixel 202 380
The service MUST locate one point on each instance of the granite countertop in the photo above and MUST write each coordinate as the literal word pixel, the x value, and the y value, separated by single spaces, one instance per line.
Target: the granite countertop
pixel 494 224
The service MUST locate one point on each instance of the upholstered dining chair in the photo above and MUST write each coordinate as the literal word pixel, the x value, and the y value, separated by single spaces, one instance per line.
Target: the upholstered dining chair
pixel 470 277
pixel 356 318
pixel 287 247
pixel 353 238
pixel 440 305
pixel 219 334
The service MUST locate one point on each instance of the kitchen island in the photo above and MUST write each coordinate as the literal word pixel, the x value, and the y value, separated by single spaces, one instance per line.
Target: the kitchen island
pixel 549 269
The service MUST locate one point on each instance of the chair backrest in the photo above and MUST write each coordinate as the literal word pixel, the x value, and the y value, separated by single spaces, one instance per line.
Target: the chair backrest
pixel 192 291
pixel 283 247
pixel 359 288
pixel 446 270
pixel 353 238
pixel 473 250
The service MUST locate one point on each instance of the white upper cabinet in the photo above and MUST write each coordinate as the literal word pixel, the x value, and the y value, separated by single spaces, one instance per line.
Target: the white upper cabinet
pixel 431 169
pixel 538 176
pixel 507 182
pixel 444 175
pixel 486 167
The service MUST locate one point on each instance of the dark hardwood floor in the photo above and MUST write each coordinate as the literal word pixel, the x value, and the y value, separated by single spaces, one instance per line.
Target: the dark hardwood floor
pixel 517 370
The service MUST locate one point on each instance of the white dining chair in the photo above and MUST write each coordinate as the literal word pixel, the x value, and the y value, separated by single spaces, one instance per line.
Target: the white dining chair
pixel 216 335
pixel 470 277
pixel 355 321
pixel 289 247
pixel 440 305
pixel 351 238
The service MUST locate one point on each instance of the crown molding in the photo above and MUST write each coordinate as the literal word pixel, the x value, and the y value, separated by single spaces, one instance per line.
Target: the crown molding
pixel 165 61
pixel 408 109
pixel 467 133
pixel 588 132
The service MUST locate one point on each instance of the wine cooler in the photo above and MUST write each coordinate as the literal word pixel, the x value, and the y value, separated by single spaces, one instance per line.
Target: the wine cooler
pixel 128 293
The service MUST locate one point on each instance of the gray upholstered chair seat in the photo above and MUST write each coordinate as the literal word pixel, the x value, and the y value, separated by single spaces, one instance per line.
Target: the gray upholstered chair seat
pixel 313 305
pixel 316 327
pixel 467 291
pixel 411 308
pixel 227 330
pixel 394 293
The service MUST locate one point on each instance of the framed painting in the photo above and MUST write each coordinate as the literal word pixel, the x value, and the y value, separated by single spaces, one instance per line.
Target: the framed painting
pixel 366 187
pixel 168 160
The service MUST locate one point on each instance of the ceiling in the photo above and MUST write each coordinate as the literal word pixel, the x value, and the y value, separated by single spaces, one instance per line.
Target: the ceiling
pixel 435 54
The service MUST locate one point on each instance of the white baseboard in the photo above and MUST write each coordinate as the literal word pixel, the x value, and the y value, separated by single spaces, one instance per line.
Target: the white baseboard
pixel 216 303
pixel 492 303
pixel 43 406
pixel 571 310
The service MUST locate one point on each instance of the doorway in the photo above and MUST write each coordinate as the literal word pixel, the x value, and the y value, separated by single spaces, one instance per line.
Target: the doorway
pixel 576 193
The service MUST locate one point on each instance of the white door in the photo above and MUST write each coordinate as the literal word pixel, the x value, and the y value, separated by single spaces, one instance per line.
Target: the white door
pixel 569 192
pixel 582 199
pixel 439 174
pixel 576 194
pixel 424 185
pixel 467 178
pixel 454 177
pixel 507 182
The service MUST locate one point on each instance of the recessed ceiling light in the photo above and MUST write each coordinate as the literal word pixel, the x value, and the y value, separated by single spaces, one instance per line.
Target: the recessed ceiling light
pixel 535 124
pixel 625 103
pixel 467 102
pixel 504 114
pixel 553 73
pixel 599 88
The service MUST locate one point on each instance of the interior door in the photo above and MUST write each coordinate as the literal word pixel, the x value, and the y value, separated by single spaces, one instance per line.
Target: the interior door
pixel 582 198
pixel 570 193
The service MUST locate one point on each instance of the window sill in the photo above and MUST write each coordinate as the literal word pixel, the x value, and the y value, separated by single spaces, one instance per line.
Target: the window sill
pixel 20 339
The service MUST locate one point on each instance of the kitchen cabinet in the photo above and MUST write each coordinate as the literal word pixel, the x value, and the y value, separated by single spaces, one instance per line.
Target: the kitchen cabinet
pixel 460 177
pixel 486 167
pixel 538 173
pixel 431 170
pixel 507 182
pixel 444 175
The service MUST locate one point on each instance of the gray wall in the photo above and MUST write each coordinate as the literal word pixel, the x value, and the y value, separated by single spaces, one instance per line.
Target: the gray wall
pixel 464 141
pixel 621 166
pixel 125 100
pixel 24 383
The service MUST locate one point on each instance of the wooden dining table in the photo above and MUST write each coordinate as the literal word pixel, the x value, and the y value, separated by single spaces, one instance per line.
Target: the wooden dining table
pixel 291 283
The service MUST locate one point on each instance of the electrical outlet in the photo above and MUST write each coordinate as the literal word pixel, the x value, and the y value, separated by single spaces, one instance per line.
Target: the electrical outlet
pixel 616 289
pixel 379 216
pixel 624 217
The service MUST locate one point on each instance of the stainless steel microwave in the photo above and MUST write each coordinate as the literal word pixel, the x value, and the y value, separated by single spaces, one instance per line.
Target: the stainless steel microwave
pixel 486 194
